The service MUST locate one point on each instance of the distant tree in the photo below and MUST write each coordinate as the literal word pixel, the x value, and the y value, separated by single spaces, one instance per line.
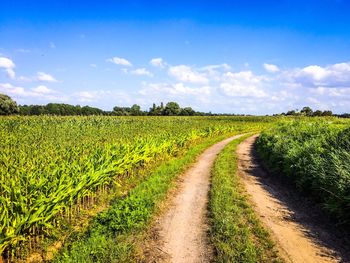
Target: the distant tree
pixel 24 110
pixel 187 111
pixel 121 111
pixel 171 109
pixel 156 110
pixel 291 113
pixel 53 108
pixel 307 111
pixel 317 113
pixel 7 105
pixel 37 110
pixel 345 115
pixel 327 113
pixel 87 110
pixel 135 110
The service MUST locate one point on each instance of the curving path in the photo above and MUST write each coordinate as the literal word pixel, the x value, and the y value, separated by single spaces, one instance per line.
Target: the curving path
pixel 182 229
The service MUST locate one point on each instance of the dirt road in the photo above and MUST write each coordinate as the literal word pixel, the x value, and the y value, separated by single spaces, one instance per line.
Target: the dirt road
pixel 296 227
pixel 182 229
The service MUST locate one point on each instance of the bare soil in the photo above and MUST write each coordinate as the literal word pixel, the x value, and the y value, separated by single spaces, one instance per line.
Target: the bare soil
pixel 180 233
pixel 299 228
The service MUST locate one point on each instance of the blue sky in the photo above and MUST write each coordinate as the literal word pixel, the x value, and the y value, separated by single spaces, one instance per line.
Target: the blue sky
pixel 254 57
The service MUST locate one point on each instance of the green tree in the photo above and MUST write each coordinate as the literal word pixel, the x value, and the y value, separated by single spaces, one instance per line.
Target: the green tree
pixel 87 110
pixel 135 110
pixel 187 111
pixel 7 105
pixel 307 111
pixel 291 113
pixel 317 113
pixel 172 108
pixel 156 110
pixel 327 113
pixel 121 111
pixel 24 110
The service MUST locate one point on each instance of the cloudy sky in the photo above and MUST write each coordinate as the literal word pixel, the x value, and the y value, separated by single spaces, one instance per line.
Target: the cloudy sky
pixel 256 57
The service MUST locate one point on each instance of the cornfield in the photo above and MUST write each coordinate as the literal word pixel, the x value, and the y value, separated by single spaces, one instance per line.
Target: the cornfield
pixel 49 166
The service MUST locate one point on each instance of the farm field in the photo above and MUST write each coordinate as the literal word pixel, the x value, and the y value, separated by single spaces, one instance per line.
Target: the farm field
pixel 52 169
pixel 92 189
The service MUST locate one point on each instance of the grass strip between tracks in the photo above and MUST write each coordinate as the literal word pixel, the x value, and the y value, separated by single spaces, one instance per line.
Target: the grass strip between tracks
pixel 236 232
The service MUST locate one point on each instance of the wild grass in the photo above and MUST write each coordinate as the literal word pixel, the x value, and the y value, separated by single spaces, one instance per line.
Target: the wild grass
pixel 315 157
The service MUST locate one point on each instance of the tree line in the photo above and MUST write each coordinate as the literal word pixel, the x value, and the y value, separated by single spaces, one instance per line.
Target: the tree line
pixel 8 107
pixel 307 111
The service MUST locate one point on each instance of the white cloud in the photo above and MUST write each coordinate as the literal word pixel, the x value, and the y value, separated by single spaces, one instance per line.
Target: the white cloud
pixel 223 66
pixel 157 62
pixel 331 92
pixel 187 74
pixel 93 65
pixel 52 45
pixel 8 65
pixel 120 61
pixel 329 76
pixel 271 68
pixel 173 89
pixel 85 96
pixel 94 96
pixel 42 76
pixel 315 72
pixel 141 72
pixel 40 92
pixel 25 79
pixel 242 84
pixel 43 90
pixel 8 88
pixel 214 72
pixel 10 73
pixel 234 90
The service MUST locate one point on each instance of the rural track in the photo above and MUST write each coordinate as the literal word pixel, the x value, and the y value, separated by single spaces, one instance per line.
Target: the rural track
pixel 295 225
pixel 182 229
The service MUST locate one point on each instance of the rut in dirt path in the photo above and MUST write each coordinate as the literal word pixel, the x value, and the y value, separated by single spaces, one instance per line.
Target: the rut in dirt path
pixel 298 228
pixel 182 229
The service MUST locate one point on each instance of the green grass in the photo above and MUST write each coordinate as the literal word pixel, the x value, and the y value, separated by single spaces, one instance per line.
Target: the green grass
pixel 236 233
pixel 115 234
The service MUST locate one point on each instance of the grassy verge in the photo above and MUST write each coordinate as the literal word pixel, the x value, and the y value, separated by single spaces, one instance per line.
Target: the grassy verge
pixel 314 157
pixel 236 233
pixel 115 233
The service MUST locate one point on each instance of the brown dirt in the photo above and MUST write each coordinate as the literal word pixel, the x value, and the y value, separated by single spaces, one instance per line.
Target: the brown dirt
pixel 181 231
pixel 300 230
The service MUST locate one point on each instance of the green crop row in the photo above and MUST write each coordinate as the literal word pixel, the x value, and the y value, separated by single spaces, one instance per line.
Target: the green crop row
pixel 315 156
